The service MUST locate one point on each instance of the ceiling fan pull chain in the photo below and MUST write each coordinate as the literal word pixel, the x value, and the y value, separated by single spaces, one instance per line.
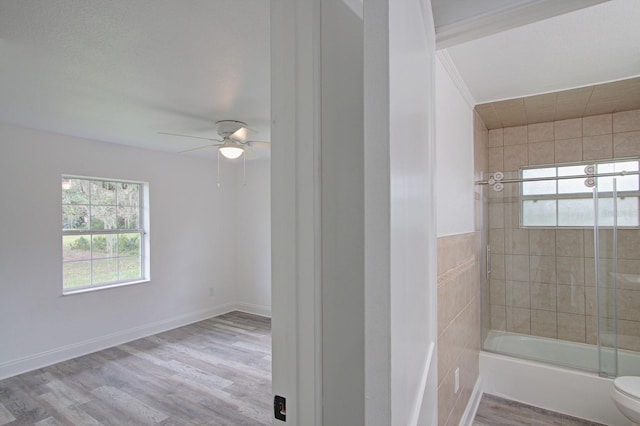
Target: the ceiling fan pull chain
pixel 244 169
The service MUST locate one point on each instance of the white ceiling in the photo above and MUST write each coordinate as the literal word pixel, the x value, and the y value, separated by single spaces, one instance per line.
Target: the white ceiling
pixel 593 45
pixel 121 71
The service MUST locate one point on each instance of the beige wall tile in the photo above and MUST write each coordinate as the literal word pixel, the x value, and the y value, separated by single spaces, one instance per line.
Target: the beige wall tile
pixel 496 162
pixel 449 347
pixel 516 268
pixel 629 335
pixel 607 302
pixel 515 156
pixel 592 330
pixel 605 267
pixel 597 125
pixel 571 299
pixel 458 346
pixel 544 323
pixel 607 335
pixel 516 241
pixel 459 407
pixel 629 244
pixel 542 242
pixel 455 250
pixel 446 398
pixel 541 153
pixel 498 267
pixel 518 320
pixel 498 292
pixel 515 135
pixel 499 318
pixel 544 296
pixel 543 269
pixel 626 144
pixel 496 215
pixel 629 274
pixel 606 243
pixel 607 298
pixel 627 121
pixel 517 294
pixel 629 305
pixel 568 129
pixel 571 327
pixel 597 147
pixel 511 217
pixel 496 241
pixel 568 150
pixel 496 138
pixel 590 301
pixel 569 242
pixel 570 270
pixel 454 294
pixel 540 132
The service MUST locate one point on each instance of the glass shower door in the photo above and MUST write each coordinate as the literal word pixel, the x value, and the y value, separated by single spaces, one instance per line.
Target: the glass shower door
pixel 605 236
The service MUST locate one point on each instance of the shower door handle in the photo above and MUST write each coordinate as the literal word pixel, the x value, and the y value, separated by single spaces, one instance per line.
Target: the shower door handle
pixel 488 261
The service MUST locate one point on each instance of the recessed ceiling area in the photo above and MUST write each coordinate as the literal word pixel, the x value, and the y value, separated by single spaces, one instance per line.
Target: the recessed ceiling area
pixel 605 98
pixel 586 47
pixel 458 21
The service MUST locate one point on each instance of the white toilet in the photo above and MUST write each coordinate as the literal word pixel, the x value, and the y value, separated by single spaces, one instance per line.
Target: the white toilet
pixel 626 395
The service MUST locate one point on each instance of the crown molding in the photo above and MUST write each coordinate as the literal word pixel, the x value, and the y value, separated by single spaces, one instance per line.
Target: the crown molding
pixel 495 21
pixel 457 79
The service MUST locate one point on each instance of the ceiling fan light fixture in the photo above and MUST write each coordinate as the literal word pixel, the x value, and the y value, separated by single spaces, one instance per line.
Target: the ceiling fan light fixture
pixel 231 151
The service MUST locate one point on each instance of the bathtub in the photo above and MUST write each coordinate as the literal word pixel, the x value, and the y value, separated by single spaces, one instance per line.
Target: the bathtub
pixel 570 391
pixel 563 353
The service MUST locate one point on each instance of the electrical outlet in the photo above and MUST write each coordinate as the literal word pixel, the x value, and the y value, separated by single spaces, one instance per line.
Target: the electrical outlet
pixel 210 291
pixel 280 408
pixel 456 384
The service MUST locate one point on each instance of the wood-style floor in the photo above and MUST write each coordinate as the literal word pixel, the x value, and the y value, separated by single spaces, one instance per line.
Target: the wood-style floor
pixel 495 411
pixel 214 372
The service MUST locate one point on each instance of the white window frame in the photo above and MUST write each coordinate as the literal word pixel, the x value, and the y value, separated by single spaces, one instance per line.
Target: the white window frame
pixel 557 195
pixel 142 230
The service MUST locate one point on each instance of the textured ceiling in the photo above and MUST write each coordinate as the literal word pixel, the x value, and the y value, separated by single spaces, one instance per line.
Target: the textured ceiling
pixel 121 71
pixel 605 98
pixel 590 46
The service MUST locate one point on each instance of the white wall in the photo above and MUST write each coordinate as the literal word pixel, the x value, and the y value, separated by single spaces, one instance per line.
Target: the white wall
pixel 193 240
pixel 253 237
pixel 454 158
pixel 413 233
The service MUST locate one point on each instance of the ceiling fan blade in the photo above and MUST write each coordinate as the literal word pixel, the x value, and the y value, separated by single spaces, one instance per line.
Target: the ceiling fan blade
pixel 250 153
pixel 259 144
pixel 242 134
pixel 189 136
pixel 200 147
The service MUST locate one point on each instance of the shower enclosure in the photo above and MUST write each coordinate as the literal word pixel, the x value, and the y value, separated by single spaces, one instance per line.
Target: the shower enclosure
pixel 562 276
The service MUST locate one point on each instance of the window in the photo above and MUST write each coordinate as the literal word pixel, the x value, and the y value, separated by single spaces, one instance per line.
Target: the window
pixel 103 233
pixel 568 202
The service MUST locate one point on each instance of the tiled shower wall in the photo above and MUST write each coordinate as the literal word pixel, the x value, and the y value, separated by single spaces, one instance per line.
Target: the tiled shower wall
pixel 543 280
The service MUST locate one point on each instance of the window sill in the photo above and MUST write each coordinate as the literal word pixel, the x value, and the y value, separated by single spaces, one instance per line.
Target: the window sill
pixel 103 287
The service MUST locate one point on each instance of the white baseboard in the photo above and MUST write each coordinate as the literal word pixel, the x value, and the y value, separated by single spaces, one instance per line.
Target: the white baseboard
pixel 53 356
pixel 263 311
pixel 472 406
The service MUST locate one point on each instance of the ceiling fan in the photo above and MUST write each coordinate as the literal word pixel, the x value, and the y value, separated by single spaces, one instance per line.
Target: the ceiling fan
pixel 234 142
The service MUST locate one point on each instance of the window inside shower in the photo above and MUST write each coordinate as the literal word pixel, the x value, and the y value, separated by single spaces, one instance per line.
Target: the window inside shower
pixel 562 196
